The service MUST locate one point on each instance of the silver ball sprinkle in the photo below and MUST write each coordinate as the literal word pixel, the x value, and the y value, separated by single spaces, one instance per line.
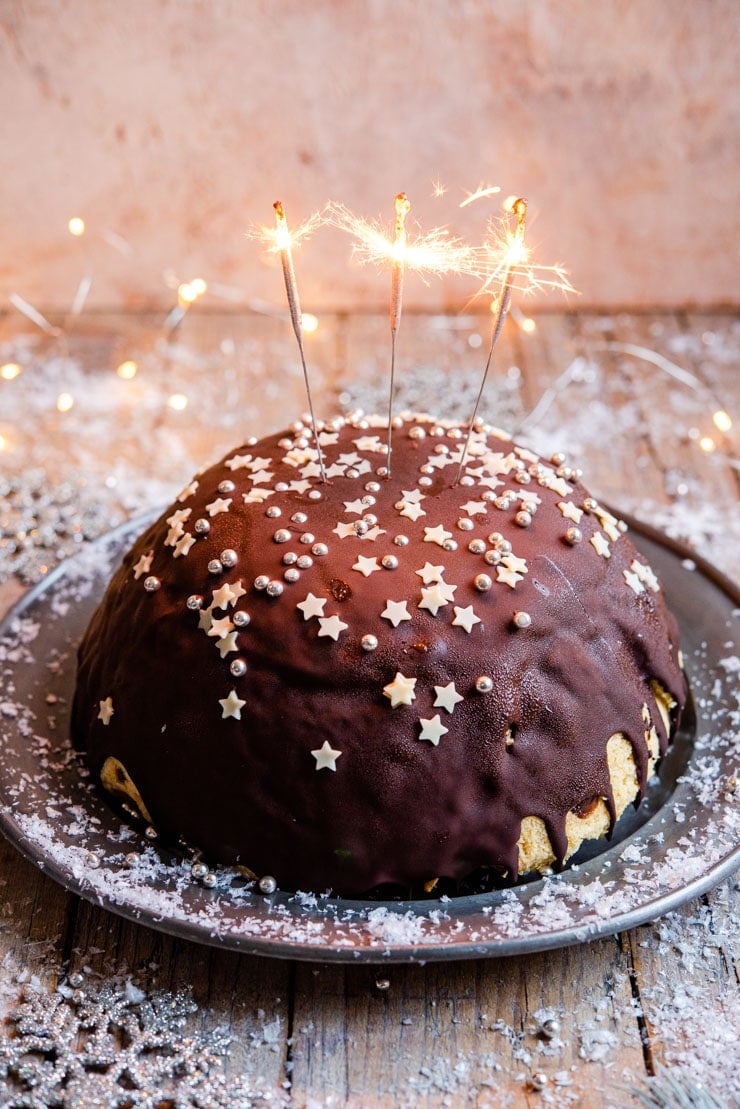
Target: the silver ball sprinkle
pixel 370 519
pixel 476 546
pixel 382 984
pixel 573 536
pixel 152 584
pixel 202 526
pixel 292 575
pixel 504 546
pixel 150 832
pixel 425 481
pixel 282 535
pixel 449 545
pixel 274 588
pixel 417 432
pixel 401 540
pixel 226 486
pixel 465 524
pixel 240 619
pixel 92 860
pixel 194 602
pixel 360 527
pixel 538 1081
pixel 503 503
pixel 368 501
pixel 373 487
pixel 493 557
pixel 389 562
pixel 319 549
pixel 484 684
pixel 353 472
pixel 261 582
pixel 305 562
pixel 199 870
pixel 132 859
pixel 299 518
pixel 550 1028
pixel 273 512
pixel 209 880
pixel 286 444
pixel 215 566
pixel 482 583
pixel 522 477
pixel 369 642
pixel 590 504
pixel 229 557
pixel 290 558
pixel 467 481
pixel 523 519
pixel 267 884
pixel 522 620
pixel 314 494
pixel 238 668
pixel 282 487
pixel 76 980
pixel 558 458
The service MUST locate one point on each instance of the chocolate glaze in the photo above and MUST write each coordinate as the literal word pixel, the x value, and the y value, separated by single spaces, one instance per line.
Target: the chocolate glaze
pixel 396 808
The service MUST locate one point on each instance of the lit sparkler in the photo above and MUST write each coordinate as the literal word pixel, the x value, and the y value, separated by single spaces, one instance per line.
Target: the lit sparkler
pixel 283 244
pixel 434 252
pixel 515 257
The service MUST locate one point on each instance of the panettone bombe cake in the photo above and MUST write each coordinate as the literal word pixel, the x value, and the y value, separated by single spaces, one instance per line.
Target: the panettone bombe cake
pixel 378 679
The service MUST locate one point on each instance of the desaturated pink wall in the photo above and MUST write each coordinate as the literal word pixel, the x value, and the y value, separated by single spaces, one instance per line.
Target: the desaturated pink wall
pixel 176 123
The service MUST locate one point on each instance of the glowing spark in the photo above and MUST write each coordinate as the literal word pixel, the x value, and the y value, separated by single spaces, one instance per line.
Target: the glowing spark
pixel 517 206
pixel 178 402
pixel 76 226
pixel 310 323
pixel 435 252
pixel 10 371
pixel 283 243
pixel 112 238
pixel 722 420
pixel 438 189
pixel 480 193
pixel 127 370
pixel 5 443
pixel 707 444
pixel 83 290
pixel 403 207
pixel 65 402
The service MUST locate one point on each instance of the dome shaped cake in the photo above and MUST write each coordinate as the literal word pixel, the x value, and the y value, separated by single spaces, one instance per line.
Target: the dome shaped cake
pixel 381 679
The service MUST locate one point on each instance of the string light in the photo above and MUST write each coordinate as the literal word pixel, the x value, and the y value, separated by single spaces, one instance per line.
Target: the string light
pixel 76 226
pixel 5 443
pixel 127 370
pixel 65 402
pixel 178 402
pixel 10 371
pixel 707 444
pixel 310 323
pixel 482 192
pixel 722 421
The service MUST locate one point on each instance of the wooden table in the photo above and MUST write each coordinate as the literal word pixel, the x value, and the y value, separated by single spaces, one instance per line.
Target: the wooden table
pixel 632 397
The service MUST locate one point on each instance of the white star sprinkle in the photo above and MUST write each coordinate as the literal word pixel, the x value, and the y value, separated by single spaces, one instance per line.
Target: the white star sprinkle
pixel 106 710
pixel 173 535
pixel 528 499
pixel 490 482
pixel 370 443
pixel 513 562
pixel 328 438
pixel 373 533
pixel 344 531
pixel 261 477
pixel 226 644
pixel 183 544
pixel 312 606
pixel 226 595
pixel 570 511
pixel 144 565
pixel 326 757
pixel 429 573
pixel 366 566
pixel 331 626
pixel 447 697
pixel 633 582
pixel 312 469
pixel 412 511
pixel 465 618
pixel 300 486
pixel 413 496
pixel 337 469
pixel 437 535
pixel 495 462
pixel 257 496
pixel 297 457
pixel 260 463
pixel 474 508
pixel 220 627
pixel 219 505
pixel 400 691
pixel 179 517
pixel 350 459
pixel 600 545
pixel 238 462
pixel 507 576
pixel 205 619
pixel 355 506
pixel 395 611
pixel 608 523
pixel 432 729
pixel 231 706
pixel 433 599
pixel 188 491
pixel 646 575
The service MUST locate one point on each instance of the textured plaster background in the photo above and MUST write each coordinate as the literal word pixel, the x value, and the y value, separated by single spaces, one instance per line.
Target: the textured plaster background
pixel 176 123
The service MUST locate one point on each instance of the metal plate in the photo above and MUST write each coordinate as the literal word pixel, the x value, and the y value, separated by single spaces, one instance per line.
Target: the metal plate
pixel 682 841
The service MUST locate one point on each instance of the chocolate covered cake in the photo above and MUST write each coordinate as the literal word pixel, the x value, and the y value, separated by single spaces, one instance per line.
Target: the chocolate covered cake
pixel 380 679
